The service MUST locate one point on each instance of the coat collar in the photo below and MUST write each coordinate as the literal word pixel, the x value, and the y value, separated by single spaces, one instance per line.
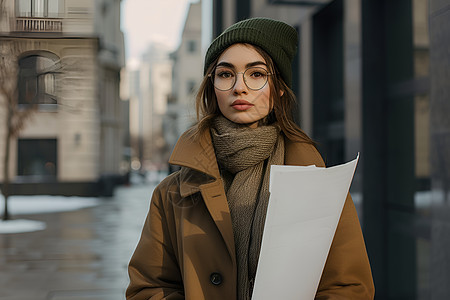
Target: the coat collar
pixel 195 151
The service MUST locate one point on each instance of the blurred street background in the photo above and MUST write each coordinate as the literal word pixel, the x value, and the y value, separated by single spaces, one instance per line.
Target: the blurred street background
pixel 81 254
pixel 94 95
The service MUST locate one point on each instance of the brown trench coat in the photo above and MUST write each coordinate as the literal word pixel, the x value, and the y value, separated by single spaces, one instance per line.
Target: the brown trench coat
pixel 186 250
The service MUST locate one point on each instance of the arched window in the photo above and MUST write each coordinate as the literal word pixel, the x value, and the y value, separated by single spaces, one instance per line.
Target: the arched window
pixel 37 80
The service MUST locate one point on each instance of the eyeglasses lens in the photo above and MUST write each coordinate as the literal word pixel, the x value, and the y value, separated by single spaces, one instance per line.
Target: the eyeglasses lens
pixel 225 78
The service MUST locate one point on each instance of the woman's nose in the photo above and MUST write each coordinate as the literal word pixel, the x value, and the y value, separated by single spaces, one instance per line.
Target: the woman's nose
pixel 239 85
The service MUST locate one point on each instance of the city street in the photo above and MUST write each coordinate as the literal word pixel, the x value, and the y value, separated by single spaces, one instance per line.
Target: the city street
pixel 81 255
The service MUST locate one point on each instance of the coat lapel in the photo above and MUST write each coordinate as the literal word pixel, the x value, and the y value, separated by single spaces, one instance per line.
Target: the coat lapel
pixel 197 153
pixel 216 202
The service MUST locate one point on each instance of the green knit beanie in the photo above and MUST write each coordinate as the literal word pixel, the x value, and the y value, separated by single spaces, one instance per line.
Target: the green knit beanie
pixel 277 38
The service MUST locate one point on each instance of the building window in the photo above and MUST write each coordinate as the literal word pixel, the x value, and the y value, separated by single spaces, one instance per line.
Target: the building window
pixel 191 86
pixel 37 80
pixel 192 46
pixel 37 158
pixel 40 8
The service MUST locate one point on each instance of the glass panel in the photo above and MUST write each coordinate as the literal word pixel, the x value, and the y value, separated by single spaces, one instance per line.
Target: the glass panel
pixel 49 84
pixel 421 38
pixel 421 61
pixel 24 8
pixel 408 176
pixel 30 90
pixel 53 8
pixel 422 139
pixel 421 100
pixel 402 253
pixel 43 64
pixel 37 80
pixel 37 157
pixel 192 46
pixel 423 269
pixel 38 8
pixel 27 80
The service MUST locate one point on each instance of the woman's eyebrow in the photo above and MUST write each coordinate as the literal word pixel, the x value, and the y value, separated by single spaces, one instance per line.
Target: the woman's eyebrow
pixel 249 65
pixel 255 63
pixel 225 64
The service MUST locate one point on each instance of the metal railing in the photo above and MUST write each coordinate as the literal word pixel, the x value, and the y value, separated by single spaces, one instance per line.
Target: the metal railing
pixel 38 25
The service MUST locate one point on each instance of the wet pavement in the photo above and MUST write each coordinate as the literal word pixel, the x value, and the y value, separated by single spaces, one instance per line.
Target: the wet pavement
pixel 81 255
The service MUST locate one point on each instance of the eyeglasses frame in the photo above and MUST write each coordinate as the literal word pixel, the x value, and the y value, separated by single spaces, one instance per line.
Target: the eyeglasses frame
pixel 210 75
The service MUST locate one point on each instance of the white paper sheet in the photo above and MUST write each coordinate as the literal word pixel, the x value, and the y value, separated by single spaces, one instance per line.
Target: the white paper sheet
pixel 304 209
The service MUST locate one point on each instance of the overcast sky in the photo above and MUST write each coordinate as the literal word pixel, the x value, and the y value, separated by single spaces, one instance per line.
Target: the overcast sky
pixel 144 21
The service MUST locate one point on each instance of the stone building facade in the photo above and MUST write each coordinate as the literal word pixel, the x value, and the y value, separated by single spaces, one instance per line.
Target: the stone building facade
pixel 69 55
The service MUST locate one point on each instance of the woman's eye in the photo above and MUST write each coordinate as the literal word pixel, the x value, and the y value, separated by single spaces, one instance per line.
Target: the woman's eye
pixel 225 74
pixel 257 74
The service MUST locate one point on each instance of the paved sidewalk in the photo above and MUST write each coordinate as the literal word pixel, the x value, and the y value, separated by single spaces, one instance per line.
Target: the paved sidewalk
pixel 81 255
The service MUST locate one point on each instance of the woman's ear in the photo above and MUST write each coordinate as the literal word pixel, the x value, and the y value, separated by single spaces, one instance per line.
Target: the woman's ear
pixel 281 93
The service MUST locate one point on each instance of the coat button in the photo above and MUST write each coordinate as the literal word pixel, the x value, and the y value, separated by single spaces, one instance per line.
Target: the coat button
pixel 215 278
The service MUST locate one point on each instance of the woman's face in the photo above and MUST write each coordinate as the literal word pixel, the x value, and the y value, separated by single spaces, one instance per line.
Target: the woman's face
pixel 240 104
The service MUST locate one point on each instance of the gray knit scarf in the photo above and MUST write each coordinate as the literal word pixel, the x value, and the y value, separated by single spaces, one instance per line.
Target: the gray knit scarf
pixel 244 156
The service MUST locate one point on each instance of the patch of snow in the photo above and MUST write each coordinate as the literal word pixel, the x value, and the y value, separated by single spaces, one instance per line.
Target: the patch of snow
pixel 20 226
pixel 25 205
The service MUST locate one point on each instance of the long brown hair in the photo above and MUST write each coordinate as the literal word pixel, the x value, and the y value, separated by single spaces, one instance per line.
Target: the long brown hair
pixel 283 103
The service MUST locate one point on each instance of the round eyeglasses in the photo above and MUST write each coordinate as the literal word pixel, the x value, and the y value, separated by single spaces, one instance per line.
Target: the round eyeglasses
pixel 224 78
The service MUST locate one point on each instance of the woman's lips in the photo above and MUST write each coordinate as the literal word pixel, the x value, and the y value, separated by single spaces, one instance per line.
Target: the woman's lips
pixel 241 105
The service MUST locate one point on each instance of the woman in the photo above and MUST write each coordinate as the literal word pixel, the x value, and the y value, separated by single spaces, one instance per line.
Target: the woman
pixel 202 236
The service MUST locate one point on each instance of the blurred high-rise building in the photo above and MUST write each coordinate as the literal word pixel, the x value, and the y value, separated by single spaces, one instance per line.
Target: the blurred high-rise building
pixel 149 84
pixel 187 75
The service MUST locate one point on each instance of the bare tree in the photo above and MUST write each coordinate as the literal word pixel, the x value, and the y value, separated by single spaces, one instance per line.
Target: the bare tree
pixel 16 116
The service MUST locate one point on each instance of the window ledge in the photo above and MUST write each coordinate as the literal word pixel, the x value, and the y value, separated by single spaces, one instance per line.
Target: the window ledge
pixel 38 25
pixel 41 107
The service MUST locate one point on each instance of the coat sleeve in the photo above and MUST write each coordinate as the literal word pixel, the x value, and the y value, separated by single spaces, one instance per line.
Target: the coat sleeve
pixel 153 269
pixel 347 273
